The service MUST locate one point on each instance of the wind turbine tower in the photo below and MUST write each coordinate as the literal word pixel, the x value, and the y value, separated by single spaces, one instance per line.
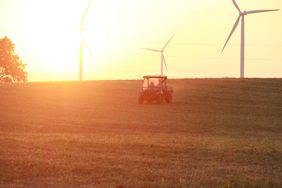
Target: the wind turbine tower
pixel 82 42
pixel 241 17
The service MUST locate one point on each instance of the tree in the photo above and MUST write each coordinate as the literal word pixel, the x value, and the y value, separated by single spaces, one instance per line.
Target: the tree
pixel 11 66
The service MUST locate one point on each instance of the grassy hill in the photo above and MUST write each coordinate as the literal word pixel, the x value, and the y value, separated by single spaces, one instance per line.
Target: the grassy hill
pixel 216 133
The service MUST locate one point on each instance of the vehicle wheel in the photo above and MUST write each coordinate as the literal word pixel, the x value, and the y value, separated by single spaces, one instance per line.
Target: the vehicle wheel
pixel 140 99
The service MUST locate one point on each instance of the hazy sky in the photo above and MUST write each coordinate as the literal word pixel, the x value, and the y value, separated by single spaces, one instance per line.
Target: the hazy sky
pixel 46 35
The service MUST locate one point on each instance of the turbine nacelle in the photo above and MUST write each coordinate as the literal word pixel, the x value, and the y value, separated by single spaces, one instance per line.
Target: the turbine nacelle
pixel 244 13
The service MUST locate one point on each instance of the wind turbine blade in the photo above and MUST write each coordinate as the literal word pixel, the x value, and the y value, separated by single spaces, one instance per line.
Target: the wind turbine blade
pixel 167 42
pixel 236 5
pixel 164 62
pixel 89 50
pixel 231 33
pixel 85 14
pixel 260 11
pixel 149 49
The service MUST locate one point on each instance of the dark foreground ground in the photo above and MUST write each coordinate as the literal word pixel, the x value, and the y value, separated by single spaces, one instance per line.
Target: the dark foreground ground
pixel 217 133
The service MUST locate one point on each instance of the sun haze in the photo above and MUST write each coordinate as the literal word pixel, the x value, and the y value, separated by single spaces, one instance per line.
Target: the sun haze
pixel 46 35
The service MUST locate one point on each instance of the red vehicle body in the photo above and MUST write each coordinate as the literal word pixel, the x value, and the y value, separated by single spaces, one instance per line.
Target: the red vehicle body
pixel 155 89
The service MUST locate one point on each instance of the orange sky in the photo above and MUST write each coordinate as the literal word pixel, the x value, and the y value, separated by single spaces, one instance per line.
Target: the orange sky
pixel 46 34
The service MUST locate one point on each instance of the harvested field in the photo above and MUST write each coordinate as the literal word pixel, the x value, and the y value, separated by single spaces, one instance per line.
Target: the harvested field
pixel 216 133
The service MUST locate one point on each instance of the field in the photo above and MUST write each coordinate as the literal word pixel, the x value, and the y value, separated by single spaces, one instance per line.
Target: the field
pixel 216 133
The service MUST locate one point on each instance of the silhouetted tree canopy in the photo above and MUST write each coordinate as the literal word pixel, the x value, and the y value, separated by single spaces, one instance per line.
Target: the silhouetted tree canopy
pixel 11 66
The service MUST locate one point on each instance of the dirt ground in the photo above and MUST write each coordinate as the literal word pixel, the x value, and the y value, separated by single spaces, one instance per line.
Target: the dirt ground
pixel 216 133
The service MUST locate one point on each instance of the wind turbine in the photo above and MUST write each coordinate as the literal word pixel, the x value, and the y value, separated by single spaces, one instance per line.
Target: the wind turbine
pixel 163 61
pixel 82 42
pixel 241 17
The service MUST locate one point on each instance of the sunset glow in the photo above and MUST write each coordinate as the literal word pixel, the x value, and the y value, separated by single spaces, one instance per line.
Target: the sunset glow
pixel 46 35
